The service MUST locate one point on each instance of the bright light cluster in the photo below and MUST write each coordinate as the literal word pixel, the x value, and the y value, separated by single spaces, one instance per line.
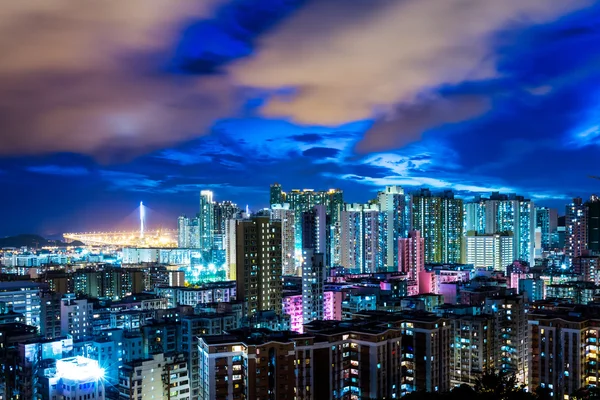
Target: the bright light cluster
pixel 159 238
pixel 79 368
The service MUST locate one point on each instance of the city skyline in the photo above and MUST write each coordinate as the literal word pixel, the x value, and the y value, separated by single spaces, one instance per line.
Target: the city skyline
pixel 503 106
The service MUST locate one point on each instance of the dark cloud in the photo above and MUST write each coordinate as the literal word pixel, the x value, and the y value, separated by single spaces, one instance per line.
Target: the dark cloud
pixel 308 138
pixel 409 122
pixel 321 152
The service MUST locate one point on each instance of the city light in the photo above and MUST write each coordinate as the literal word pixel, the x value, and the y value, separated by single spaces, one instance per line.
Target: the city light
pixel 79 368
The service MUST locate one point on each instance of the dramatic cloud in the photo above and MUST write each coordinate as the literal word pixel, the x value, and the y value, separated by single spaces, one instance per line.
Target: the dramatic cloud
pixel 409 122
pixel 90 77
pixel 350 62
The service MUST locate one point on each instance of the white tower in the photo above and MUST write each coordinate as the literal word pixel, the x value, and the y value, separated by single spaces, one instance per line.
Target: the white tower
pixel 142 219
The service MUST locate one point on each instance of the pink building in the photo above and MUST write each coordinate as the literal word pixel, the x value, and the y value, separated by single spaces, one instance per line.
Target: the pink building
pixel 428 282
pixel 411 255
pixel 332 306
pixel 515 272
pixel 412 289
pixel 292 305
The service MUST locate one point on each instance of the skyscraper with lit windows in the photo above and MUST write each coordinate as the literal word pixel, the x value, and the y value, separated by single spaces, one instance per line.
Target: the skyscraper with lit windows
pixel 282 213
pixel 301 201
pixel 546 221
pixel 502 213
pixel 475 216
pixel 206 220
pixel 314 229
pixel 395 207
pixel 576 229
pixel 277 195
pixel 593 236
pixel 258 264
pixel 439 218
pixel 411 255
pixel 223 212
pixel 313 278
pixel 360 238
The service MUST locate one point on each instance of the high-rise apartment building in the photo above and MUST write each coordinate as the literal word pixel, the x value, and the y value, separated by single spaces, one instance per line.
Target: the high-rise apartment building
pixel 360 244
pixel 576 220
pixel 259 264
pixel 505 213
pixel 472 350
pixel 283 213
pixel 109 282
pixel 439 218
pixel 313 278
pixel 183 232
pixel 381 357
pixel 411 255
pixel 564 352
pixel 24 298
pixel 546 220
pixel 188 232
pixel 142 379
pixel 50 315
pixel 222 212
pixel 229 244
pixel 304 200
pixel 593 223
pixel 587 268
pixel 314 229
pixel 354 361
pixel 426 353
pixel 176 378
pixel 351 240
pixel 495 251
pixel 395 208
pixel 206 220
pixel 252 365
pixel 475 216
pixel 76 317
pixel 511 335
pixel 277 195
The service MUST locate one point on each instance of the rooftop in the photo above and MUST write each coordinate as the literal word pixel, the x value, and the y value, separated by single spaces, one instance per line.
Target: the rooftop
pixel 250 336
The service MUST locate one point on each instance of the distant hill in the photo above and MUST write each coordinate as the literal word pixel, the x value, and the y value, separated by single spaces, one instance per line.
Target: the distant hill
pixel 33 241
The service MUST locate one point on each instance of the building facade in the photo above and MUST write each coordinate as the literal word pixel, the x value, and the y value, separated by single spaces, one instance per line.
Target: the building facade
pixel 439 218
pixel 259 264
pixel 489 251
pixel 411 255
pixel 283 213
pixel 313 279
pixel 576 229
pixel 395 205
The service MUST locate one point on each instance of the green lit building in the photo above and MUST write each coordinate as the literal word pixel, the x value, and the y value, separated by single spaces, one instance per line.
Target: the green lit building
pixel 439 218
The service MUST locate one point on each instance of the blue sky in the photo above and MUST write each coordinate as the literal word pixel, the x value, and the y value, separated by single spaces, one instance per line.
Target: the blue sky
pixel 105 107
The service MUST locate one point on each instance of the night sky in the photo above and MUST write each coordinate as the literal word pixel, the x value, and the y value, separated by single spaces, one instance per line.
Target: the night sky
pixel 104 104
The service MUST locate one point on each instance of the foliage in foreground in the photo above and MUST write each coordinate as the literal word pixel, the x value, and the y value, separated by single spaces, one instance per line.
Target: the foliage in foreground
pixel 491 385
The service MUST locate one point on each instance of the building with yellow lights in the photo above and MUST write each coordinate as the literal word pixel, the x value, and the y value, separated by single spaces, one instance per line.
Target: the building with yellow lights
pixel 564 351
